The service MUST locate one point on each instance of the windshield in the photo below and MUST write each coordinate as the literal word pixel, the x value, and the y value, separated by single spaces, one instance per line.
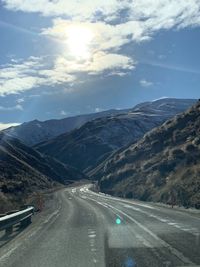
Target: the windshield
pixel 99 133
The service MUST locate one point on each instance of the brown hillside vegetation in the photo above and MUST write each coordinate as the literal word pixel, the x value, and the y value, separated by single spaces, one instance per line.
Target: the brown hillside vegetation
pixel 163 166
pixel 24 171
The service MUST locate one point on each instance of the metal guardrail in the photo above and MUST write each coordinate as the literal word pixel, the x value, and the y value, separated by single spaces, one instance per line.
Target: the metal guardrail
pixel 10 219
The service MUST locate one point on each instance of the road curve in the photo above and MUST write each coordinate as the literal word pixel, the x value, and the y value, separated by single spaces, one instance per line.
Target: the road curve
pixel 87 229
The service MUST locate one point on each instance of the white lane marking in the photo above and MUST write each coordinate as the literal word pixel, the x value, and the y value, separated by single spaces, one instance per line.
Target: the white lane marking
pixel 136 203
pixel 102 195
pixel 147 213
pixel 192 231
pixel 91 231
pixel 92 235
pixel 163 220
pixel 7 255
pixel 131 207
pixel 173 250
pixel 92 240
pixel 174 224
pixel 146 206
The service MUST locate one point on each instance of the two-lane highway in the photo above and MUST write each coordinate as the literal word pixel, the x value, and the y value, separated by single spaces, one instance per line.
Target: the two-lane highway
pixel 90 229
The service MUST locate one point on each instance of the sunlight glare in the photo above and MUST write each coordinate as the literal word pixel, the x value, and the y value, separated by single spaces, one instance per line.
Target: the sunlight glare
pixel 79 40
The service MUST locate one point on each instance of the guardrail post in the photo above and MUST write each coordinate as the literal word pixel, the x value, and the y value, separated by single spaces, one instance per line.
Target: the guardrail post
pixel 9 230
pixel 26 222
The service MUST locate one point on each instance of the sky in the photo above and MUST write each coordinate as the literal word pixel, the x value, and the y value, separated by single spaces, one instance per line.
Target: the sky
pixel 62 58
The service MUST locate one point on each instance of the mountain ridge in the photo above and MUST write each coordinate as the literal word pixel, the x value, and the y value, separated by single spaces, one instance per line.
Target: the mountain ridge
pixel 163 166
pixel 36 131
pixel 86 147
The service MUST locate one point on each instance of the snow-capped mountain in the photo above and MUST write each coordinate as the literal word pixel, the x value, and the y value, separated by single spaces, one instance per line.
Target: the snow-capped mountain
pixel 86 147
pixel 36 131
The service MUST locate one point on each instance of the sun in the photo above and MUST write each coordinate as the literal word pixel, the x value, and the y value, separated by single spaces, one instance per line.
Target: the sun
pixel 78 41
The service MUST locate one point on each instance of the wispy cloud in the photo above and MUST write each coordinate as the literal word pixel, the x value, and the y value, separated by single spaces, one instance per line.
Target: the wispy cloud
pixel 20 100
pixel 145 83
pixel 17 107
pixel 28 74
pixel 99 109
pixel 17 28
pixel 171 67
pixel 7 125
pixel 63 113
pixel 33 72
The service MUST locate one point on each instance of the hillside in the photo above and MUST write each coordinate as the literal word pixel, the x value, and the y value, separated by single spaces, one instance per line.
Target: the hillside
pixel 33 132
pixel 86 147
pixel 163 166
pixel 24 170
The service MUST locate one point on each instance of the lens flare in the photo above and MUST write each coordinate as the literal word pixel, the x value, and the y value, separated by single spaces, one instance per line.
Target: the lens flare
pixel 118 221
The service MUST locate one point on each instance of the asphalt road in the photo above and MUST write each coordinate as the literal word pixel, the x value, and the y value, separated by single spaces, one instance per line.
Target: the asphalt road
pixel 86 229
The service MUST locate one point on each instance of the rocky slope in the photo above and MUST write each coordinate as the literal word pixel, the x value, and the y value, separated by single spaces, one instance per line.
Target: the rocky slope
pixel 33 132
pixel 163 166
pixel 86 147
pixel 24 170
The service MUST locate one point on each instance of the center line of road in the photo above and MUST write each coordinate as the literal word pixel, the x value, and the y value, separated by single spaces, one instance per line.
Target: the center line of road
pixel 92 241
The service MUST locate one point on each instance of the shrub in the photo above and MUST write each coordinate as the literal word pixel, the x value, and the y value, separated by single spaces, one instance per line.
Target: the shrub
pixel 190 148
pixel 178 153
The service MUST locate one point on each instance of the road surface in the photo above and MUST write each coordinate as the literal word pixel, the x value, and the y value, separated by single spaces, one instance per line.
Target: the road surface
pixel 87 229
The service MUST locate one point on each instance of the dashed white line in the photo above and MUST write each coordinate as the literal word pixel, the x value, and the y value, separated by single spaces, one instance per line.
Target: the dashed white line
pixel 174 251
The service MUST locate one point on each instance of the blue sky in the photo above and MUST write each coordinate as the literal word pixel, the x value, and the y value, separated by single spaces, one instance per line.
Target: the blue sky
pixel 63 58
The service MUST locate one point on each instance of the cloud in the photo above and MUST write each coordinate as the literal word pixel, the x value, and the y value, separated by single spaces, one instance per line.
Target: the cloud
pixel 63 113
pixel 7 125
pixel 20 100
pixel 143 19
pixel 104 36
pixel 17 77
pixel 99 109
pixel 31 73
pixel 145 83
pixel 151 14
pixel 103 48
pixel 112 24
pixel 99 62
pixel 171 67
pixel 104 61
pixel 80 9
pixel 17 107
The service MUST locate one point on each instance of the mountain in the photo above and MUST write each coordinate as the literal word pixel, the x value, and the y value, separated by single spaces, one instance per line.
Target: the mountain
pixel 163 166
pixel 33 132
pixel 86 147
pixel 24 170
